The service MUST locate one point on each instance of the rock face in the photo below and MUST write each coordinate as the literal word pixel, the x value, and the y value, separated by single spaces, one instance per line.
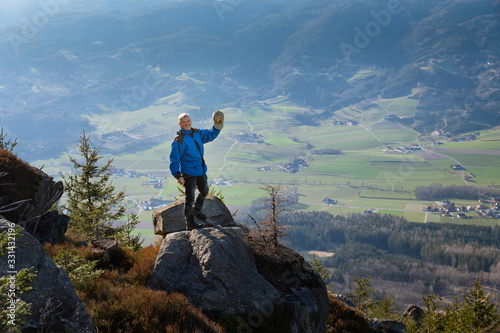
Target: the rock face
pixel 415 312
pixel 303 295
pixel 171 218
pixel 212 266
pixel 216 269
pixel 36 192
pixel 51 227
pixel 387 326
pixel 55 305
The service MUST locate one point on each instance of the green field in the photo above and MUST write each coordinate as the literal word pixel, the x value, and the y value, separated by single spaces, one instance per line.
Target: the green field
pixel 362 176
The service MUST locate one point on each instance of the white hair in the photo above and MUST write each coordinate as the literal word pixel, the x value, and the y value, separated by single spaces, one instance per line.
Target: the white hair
pixel 183 115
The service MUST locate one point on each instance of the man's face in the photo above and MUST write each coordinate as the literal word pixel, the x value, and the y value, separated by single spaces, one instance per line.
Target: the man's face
pixel 185 123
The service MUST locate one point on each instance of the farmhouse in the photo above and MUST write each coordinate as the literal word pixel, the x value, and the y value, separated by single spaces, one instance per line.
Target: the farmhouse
pixel 457 167
pixel 329 201
pixel 154 203
pixel 294 166
pixel 153 183
pixel 220 182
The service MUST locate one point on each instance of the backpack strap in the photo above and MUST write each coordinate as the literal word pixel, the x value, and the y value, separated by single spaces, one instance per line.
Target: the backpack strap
pixel 180 136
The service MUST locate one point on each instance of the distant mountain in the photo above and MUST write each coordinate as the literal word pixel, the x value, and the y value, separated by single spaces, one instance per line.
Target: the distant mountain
pixel 60 61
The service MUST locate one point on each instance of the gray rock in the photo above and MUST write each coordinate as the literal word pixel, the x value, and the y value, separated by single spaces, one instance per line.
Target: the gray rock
pixel 47 194
pixel 415 312
pixel 171 218
pixel 303 294
pixel 105 246
pixel 387 326
pixel 51 227
pixel 344 299
pixel 214 268
pixel 36 192
pixel 218 271
pixel 55 305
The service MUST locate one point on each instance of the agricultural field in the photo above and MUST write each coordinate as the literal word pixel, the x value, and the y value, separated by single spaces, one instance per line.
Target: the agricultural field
pixel 259 140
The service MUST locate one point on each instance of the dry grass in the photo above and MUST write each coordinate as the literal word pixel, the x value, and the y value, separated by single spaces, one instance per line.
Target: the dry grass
pixel 343 318
pixel 119 301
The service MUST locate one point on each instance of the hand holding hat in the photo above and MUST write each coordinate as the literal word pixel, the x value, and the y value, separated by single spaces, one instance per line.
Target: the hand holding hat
pixel 218 117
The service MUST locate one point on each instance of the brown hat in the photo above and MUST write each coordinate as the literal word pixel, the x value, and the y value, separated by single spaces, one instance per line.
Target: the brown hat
pixel 218 117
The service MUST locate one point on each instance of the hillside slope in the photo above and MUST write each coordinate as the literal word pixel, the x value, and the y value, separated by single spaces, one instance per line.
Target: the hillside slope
pixel 93 58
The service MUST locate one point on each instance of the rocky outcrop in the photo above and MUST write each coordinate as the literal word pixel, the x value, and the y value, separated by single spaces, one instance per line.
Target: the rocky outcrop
pixel 218 271
pixel 105 246
pixel 171 218
pixel 303 294
pixel 51 227
pixel 387 326
pixel 415 312
pixel 27 194
pixel 214 268
pixel 55 305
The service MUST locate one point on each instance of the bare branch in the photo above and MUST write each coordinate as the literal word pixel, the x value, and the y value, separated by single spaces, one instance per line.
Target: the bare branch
pixel 261 233
pixel 16 205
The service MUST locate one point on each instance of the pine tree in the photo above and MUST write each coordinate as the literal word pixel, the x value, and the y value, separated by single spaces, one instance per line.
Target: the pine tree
pixel 92 202
pixel 361 292
pixel 483 314
pixel 318 267
pixel 6 145
pixel 124 233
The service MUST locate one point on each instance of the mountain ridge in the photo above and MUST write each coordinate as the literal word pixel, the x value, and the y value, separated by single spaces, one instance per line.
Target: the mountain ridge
pixel 447 49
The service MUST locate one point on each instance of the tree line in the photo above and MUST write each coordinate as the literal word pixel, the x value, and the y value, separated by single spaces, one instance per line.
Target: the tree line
pixel 439 192
pixel 406 259
pixel 476 247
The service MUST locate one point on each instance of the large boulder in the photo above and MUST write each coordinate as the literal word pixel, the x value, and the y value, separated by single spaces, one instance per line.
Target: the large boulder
pixel 55 305
pixel 171 218
pixel 387 326
pixel 32 193
pixel 218 270
pixel 415 312
pixel 214 268
pixel 303 294
pixel 51 227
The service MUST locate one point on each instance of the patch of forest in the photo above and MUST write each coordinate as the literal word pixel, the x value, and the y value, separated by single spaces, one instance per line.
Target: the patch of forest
pixel 438 191
pixel 406 260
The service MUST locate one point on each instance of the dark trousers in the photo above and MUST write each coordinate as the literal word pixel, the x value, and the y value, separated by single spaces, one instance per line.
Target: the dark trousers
pixel 190 185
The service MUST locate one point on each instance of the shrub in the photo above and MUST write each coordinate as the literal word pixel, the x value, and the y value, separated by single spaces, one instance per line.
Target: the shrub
pixel 343 318
pixel 118 300
pixel 144 261
pixel 116 306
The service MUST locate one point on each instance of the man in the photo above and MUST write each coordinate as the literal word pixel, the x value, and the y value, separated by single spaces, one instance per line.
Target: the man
pixel 188 166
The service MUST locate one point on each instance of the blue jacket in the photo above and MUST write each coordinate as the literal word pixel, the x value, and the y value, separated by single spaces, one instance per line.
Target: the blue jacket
pixel 185 157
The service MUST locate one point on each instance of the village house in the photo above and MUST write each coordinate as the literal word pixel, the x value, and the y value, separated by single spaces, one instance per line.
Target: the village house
pixel 294 166
pixel 457 167
pixel 329 201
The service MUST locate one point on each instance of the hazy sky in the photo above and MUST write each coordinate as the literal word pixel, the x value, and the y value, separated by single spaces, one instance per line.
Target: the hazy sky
pixel 14 12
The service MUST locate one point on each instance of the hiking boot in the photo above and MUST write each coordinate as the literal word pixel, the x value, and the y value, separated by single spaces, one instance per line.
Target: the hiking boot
pixel 200 215
pixel 191 225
